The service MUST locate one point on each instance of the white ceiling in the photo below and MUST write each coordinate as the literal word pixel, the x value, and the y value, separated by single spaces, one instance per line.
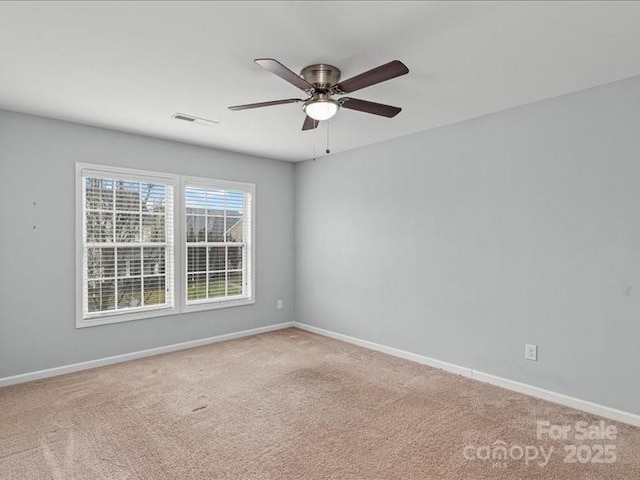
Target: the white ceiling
pixel 131 65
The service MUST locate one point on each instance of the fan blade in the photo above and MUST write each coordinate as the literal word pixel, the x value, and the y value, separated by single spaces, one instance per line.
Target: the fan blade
pixel 283 72
pixel 379 74
pixel 370 107
pixel 309 123
pixel 264 104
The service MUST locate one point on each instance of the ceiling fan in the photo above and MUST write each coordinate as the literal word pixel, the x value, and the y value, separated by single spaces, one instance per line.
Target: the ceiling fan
pixel 321 82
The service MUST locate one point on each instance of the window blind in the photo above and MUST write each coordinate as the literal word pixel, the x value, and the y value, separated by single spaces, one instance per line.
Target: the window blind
pixel 218 240
pixel 128 246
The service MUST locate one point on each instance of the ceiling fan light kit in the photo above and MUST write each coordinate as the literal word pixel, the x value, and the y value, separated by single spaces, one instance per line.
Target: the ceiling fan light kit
pixel 321 81
pixel 320 107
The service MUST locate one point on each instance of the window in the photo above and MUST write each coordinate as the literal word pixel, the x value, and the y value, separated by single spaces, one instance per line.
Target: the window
pixel 127 245
pixel 128 255
pixel 218 242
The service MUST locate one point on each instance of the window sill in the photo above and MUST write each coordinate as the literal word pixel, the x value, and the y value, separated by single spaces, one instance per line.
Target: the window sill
pixel 214 305
pixel 125 317
pixel 161 312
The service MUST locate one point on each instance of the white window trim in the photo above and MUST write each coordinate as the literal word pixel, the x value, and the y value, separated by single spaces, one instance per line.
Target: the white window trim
pixel 179 183
pixel 85 169
pixel 213 304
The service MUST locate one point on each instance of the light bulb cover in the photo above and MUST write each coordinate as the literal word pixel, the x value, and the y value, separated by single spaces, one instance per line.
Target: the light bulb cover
pixel 321 109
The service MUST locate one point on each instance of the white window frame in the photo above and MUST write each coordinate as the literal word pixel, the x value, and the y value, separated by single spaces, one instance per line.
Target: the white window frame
pixel 87 170
pixel 223 302
pixel 179 253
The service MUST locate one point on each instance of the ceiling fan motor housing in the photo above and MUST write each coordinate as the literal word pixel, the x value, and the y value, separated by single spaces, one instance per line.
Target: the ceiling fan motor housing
pixel 321 75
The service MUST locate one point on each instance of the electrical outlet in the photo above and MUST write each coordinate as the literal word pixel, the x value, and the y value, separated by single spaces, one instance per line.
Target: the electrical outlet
pixel 280 304
pixel 531 352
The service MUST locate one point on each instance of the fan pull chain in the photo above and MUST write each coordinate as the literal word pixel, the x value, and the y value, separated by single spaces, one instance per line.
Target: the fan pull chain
pixel 328 151
pixel 315 140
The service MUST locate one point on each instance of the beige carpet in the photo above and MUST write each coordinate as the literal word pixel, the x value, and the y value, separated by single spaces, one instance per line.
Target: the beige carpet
pixel 287 405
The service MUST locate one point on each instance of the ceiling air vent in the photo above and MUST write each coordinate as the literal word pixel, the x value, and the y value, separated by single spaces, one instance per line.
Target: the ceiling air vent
pixel 192 119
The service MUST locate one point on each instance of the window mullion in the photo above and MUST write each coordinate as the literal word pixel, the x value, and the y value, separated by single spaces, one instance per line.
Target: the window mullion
pixel 142 292
pixel 244 269
pixel 115 278
pixel 226 248
pixel 206 267
pixel 245 234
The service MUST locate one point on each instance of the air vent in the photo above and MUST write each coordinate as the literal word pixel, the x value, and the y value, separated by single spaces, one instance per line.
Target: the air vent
pixel 190 118
pixel 179 116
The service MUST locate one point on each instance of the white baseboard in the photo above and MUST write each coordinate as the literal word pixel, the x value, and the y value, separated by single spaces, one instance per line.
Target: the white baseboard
pixel 100 362
pixel 583 405
pixel 578 404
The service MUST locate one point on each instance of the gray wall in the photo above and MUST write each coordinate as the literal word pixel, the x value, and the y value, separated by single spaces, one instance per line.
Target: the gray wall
pixel 37 285
pixel 461 243
pixel 465 242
